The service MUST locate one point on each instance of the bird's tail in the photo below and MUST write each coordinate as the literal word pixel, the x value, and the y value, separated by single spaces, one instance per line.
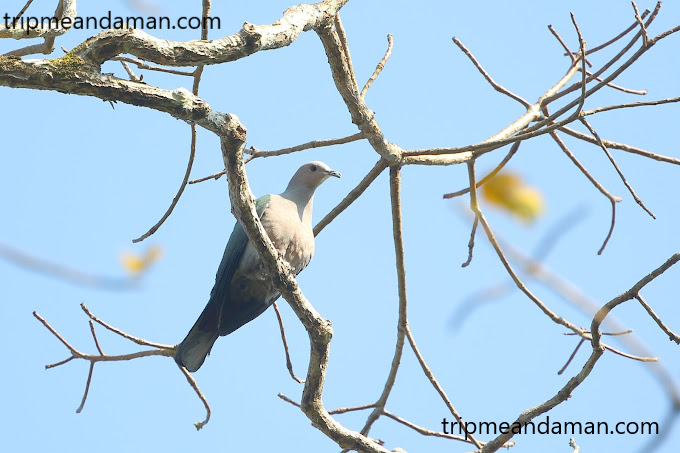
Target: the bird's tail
pixel 193 350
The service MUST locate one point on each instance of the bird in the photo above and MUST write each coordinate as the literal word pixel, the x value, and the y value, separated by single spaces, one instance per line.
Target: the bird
pixel 242 289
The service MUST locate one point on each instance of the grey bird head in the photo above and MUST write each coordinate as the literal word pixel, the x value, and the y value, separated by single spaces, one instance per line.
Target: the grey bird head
pixel 311 175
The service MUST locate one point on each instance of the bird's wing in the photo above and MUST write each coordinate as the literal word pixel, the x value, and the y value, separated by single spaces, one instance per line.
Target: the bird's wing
pixel 196 346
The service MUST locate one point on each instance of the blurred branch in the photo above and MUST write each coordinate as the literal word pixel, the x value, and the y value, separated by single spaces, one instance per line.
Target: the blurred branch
pixel 65 273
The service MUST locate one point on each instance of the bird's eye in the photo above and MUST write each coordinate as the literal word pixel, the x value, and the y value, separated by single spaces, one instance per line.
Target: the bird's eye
pixel 312 167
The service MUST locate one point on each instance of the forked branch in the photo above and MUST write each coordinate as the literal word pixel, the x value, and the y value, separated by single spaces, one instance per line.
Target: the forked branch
pixel 157 350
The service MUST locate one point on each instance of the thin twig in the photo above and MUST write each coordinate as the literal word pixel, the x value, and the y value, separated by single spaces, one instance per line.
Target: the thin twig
pixel 618 170
pixel 87 388
pixel 557 36
pixel 590 75
pixel 74 351
pixel 94 337
pixel 75 354
pixel 342 410
pixel 127 336
pixel 289 364
pixel 149 67
pixel 131 74
pixel 614 86
pixel 430 376
pixel 288 400
pixel 214 176
pixel 619 36
pixel 629 356
pixel 573 354
pixel 535 267
pixel 206 5
pixel 597 350
pixel 351 196
pixel 425 431
pixel 23 10
pixel 194 385
pixel 620 146
pixel 255 153
pixel 379 67
pixel 159 349
pixel 513 149
pixel 611 62
pixel 582 58
pixel 180 191
pixel 630 105
pixel 471 242
pixel 643 29
pixel 402 321
pixel 671 335
pixel 474 205
pixel 510 133
pixel 54 365
pixel 496 86
pixel 613 199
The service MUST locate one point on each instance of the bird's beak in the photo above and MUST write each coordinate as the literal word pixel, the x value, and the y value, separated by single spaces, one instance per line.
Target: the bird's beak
pixel 337 174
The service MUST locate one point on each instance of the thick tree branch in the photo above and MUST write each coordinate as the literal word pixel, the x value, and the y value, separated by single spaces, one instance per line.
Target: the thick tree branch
pixel 249 40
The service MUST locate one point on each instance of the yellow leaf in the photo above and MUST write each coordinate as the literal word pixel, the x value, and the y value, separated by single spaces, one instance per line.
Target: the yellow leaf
pixel 507 191
pixel 135 264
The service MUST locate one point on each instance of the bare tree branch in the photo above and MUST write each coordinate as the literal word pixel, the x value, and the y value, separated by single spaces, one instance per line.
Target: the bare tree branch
pixel 671 336
pixel 565 392
pixel 618 170
pixel 513 149
pixel 141 65
pixel 180 191
pixel 620 146
pixel 351 196
pixel 438 387
pixel 379 68
pixel 612 199
pixel 630 105
pixel 79 72
pixel 402 321
pixel 289 364
pixel 255 153
pixel 492 82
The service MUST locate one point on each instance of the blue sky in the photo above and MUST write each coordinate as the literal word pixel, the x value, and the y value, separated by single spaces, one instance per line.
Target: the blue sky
pixel 79 180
